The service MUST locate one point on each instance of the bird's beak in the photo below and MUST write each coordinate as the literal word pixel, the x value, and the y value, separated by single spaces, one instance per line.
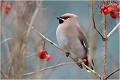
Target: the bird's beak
pixel 60 19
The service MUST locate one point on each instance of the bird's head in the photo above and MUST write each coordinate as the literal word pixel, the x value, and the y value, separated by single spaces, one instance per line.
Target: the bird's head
pixel 65 17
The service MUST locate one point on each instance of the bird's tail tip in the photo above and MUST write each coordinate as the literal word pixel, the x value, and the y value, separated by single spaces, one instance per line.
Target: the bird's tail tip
pixel 90 70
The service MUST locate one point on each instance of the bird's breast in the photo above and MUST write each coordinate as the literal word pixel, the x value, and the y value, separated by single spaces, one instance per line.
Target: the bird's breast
pixel 67 38
pixel 62 39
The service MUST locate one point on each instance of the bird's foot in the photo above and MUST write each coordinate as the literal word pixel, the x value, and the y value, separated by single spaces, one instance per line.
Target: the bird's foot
pixel 67 54
pixel 79 64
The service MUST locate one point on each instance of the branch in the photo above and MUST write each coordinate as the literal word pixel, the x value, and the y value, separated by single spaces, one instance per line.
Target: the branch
pixel 45 38
pixel 112 73
pixel 92 39
pixel 92 71
pixel 31 22
pixel 113 30
pixel 104 45
pixel 6 40
pixel 95 26
pixel 50 67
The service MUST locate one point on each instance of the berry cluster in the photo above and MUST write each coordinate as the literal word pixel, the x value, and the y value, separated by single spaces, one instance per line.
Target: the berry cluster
pixel 112 8
pixel 5 7
pixel 42 54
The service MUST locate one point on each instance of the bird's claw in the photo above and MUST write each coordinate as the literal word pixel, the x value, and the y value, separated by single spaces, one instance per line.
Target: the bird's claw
pixel 67 54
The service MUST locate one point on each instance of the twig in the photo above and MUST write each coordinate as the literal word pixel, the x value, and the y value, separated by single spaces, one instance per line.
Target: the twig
pixel 29 55
pixel 31 22
pixel 96 27
pixel 104 46
pixel 46 38
pixel 50 67
pixel 4 74
pixel 6 40
pixel 92 70
pixel 112 73
pixel 113 30
pixel 57 62
pixel 92 39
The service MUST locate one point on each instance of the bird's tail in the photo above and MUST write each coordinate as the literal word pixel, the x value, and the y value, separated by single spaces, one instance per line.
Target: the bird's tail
pixel 88 63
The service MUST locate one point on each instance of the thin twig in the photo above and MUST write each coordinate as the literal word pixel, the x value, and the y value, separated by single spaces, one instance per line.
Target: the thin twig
pixel 50 67
pixel 92 70
pixel 4 74
pixel 46 38
pixel 112 73
pixel 6 40
pixel 96 27
pixel 57 62
pixel 92 39
pixel 113 30
pixel 31 22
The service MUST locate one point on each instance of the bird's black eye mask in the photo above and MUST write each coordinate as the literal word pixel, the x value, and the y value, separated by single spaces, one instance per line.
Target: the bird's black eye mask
pixel 61 19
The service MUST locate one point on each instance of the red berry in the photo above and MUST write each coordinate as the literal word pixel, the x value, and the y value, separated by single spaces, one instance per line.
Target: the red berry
pixel 113 15
pixel 101 11
pixel 7 9
pixel 114 5
pixel 48 57
pixel 118 6
pixel 107 6
pixel 117 14
pixel 102 8
pixel 110 9
pixel 43 54
pixel 105 11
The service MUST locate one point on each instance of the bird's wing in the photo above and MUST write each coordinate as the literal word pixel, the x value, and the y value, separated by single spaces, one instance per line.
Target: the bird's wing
pixel 83 38
pixel 84 42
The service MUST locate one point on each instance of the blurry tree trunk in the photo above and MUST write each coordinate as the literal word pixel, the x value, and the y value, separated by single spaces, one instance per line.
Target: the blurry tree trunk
pixel 92 39
pixel 19 44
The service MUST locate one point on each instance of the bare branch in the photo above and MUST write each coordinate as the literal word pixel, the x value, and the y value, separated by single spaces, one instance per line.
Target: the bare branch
pixel 50 67
pixel 113 73
pixel 113 30
pixel 46 38
pixel 32 20
pixel 104 45
pixel 92 71
pixel 6 40
pixel 92 39
pixel 95 25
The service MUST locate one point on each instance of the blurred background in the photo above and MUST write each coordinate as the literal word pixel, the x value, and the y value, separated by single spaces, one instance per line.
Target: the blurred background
pixel 17 53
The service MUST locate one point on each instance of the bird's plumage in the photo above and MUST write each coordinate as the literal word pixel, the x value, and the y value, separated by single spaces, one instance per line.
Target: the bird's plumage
pixel 72 38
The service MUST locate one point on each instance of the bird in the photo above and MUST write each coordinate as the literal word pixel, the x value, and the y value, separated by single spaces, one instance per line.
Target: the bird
pixel 72 38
